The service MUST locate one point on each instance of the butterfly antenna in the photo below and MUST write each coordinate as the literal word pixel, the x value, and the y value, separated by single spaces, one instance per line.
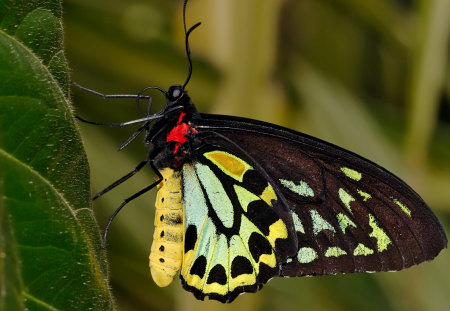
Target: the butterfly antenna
pixel 188 50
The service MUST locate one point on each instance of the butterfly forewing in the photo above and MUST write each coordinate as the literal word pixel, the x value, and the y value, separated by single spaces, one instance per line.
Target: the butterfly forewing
pixel 349 214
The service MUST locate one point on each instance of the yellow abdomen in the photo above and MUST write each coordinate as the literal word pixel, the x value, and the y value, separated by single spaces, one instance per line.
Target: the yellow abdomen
pixel 166 253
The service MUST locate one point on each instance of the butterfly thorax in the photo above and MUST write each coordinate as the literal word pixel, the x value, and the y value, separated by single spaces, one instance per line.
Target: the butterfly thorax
pixel 173 136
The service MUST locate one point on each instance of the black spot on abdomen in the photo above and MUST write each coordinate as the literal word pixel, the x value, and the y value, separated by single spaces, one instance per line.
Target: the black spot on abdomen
pixel 199 267
pixel 217 275
pixel 241 265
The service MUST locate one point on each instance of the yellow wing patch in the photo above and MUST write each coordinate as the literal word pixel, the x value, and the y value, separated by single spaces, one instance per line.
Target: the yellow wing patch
pixel 229 164
pixel 277 230
pixel 268 195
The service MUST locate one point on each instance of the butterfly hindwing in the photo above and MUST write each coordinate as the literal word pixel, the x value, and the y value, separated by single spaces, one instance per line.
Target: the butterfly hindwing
pixel 235 238
pixel 349 214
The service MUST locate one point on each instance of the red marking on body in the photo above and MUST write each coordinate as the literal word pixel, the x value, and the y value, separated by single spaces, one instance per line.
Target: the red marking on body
pixel 179 132
pixel 175 149
pixel 180 118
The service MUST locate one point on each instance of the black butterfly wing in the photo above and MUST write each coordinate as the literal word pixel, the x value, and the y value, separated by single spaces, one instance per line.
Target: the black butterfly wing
pixel 350 214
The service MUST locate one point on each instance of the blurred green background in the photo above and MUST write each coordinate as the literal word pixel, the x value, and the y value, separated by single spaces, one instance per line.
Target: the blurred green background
pixel 371 76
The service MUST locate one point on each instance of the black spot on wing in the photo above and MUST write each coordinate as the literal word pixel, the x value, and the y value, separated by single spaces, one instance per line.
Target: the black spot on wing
pixel 258 245
pixel 190 238
pixel 254 182
pixel 262 215
pixel 265 274
pixel 241 265
pixel 217 275
pixel 199 267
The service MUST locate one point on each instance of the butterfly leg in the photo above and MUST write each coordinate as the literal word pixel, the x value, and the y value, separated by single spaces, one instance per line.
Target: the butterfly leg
pixel 131 198
pixel 146 119
pixel 109 95
pixel 145 127
pixel 122 179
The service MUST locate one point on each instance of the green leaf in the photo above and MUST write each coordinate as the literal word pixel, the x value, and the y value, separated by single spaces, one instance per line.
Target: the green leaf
pixel 50 251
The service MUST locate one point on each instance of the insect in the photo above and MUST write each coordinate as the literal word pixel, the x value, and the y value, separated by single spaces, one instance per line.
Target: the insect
pixel 241 201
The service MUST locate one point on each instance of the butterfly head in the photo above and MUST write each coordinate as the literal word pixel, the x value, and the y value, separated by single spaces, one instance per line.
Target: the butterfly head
pixel 174 93
pixel 177 99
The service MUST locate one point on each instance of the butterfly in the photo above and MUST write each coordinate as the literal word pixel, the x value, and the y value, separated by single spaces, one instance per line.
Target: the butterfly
pixel 241 201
